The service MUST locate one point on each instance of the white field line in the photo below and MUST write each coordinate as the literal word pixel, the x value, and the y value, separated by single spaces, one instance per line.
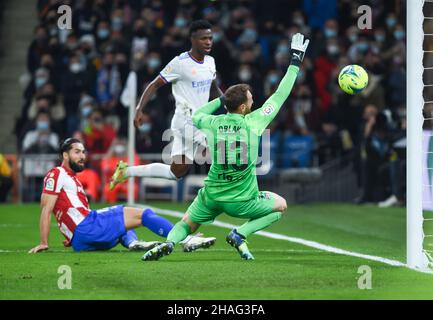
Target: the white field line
pixel 207 250
pixel 304 242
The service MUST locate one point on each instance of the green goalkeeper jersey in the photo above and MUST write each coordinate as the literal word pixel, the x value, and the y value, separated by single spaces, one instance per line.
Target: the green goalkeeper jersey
pixel 233 141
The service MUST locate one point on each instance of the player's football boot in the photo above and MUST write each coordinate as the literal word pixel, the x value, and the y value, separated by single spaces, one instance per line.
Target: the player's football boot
pixel 237 241
pixel 164 249
pixel 119 174
pixel 138 245
pixel 194 242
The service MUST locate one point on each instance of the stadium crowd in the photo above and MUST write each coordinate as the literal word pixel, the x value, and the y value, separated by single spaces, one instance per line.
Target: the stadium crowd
pixel 77 76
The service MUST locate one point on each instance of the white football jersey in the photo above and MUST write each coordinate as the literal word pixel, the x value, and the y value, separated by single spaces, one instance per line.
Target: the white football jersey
pixel 191 81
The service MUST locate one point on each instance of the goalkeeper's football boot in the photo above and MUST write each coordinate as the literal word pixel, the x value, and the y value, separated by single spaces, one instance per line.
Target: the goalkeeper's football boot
pixel 238 241
pixel 119 174
pixel 194 242
pixel 138 245
pixel 164 249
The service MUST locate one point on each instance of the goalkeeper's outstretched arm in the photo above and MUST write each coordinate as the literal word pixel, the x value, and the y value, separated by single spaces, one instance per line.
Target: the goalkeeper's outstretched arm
pixel 202 117
pixel 261 117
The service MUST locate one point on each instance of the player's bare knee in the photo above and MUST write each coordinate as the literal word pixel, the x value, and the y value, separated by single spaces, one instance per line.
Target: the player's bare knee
pixel 179 169
pixel 192 225
pixel 280 204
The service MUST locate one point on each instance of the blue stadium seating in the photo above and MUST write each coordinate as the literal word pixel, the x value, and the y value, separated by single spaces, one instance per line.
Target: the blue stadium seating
pixel 297 151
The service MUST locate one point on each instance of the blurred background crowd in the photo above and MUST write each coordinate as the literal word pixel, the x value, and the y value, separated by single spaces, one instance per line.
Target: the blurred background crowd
pixel 77 77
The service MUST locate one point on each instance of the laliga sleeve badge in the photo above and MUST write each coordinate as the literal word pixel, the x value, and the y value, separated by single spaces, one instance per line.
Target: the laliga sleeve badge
pixel 268 110
pixel 49 185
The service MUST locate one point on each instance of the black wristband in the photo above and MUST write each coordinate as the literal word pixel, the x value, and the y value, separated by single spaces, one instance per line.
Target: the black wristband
pixel 297 57
pixel 295 61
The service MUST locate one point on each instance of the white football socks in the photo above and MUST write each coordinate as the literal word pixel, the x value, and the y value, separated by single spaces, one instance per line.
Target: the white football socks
pixel 154 170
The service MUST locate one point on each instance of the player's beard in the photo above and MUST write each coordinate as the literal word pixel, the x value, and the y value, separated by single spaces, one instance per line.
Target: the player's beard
pixel 75 166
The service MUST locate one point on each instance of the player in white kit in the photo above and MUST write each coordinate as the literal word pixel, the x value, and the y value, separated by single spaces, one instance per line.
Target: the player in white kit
pixel 192 75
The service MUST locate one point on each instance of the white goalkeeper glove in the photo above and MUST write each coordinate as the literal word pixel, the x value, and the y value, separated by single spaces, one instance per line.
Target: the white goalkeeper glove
pixel 298 48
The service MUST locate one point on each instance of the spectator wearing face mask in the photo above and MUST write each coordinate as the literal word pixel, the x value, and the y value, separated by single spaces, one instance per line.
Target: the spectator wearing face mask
pixel 41 139
pixel 223 50
pixel 271 81
pixel 40 78
pixel 108 83
pixel 48 62
pixel 38 47
pixel 352 37
pixel 148 138
pixel 25 124
pixel 381 42
pixel 375 154
pixel 358 50
pixel 396 82
pixel 303 113
pixel 117 152
pixel 397 52
pixel 248 40
pixel 153 63
pixel 117 20
pixel 86 106
pixel 75 82
pixel 71 45
pixel 103 32
pixel 249 75
pixel 139 44
pixel 53 103
pixel 391 22
pixel 98 135
pixel 89 59
pixel 323 70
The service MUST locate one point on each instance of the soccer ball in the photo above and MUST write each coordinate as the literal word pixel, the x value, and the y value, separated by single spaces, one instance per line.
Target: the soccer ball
pixel 353 79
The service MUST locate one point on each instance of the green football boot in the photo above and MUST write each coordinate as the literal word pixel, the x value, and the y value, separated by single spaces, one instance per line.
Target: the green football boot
pixel 119 174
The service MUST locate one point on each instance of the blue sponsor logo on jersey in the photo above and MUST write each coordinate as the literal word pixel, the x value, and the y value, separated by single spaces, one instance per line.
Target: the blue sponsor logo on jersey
pixel 199 84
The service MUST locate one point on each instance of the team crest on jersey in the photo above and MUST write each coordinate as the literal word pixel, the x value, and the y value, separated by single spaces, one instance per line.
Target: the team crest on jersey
pixel 268 110
pixel 168 69
pixel 51 174
pixel 49 185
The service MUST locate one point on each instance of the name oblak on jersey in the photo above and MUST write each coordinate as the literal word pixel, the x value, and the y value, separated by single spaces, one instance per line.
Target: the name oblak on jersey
pixel 229 129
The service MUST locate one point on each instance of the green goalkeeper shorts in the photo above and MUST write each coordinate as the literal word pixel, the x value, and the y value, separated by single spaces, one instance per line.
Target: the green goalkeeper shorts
pixel 204 209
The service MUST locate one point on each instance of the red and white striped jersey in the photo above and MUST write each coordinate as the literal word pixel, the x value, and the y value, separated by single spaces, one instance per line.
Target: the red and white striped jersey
pixel 72 205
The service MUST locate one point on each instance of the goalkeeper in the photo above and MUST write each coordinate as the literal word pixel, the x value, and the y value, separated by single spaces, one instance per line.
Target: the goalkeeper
pixel 231 186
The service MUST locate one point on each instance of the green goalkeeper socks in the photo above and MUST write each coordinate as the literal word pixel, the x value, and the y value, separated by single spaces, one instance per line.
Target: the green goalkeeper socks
pixel 180 231
pixel 258 224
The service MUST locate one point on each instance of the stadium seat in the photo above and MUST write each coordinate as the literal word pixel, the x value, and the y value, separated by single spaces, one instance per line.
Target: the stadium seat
pixel 297 151
pixel 158 183
pixel 193 182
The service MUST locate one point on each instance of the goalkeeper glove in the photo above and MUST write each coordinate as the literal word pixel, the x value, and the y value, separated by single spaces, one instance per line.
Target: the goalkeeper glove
pixel 298 48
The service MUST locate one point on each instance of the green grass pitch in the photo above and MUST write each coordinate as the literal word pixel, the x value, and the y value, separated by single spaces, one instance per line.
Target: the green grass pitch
pixel 282 270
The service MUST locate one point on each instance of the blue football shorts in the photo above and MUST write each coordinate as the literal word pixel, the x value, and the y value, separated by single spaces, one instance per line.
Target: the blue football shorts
pixel 100 230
